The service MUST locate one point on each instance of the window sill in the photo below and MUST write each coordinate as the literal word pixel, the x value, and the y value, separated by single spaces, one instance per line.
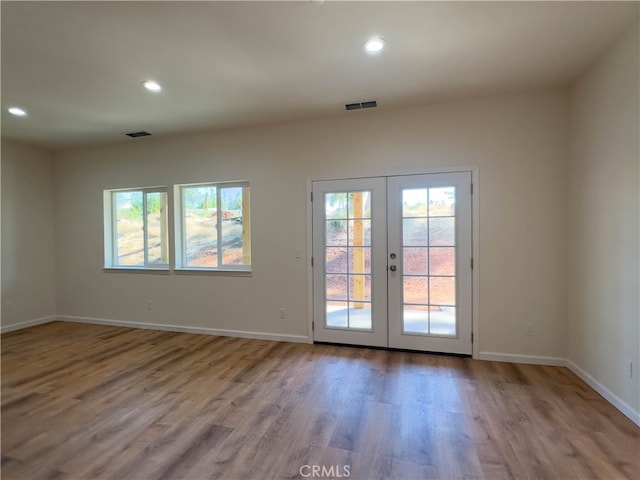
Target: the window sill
pixel 153 271
pixel 179 271
pixel 206 271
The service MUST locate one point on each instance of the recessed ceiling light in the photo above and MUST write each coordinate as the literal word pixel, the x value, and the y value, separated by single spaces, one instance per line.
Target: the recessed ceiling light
pixel 151 86
pixel 374 45
pixel 18 112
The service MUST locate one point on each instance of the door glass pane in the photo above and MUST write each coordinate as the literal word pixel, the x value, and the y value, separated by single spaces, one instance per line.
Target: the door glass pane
pixel 442 291
pixel 416 319
pixel 360 259
pixel 360 315
pixel 338 314
pixel 336 260
pixel 336 286
pixel 416 289
pixel 442 321
pixel 336 233
pixel 429 261
pixel 442 232
pixel 442 202
pixel 414 202
pixel 415 260
pixel 348 278
pixel 442 261
pixel 359 204
pixel 415 232
pixel 360 288
pixel 335 206
pixel 359 232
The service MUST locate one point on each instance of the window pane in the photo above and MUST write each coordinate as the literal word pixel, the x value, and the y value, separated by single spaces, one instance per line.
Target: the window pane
pixel 414 202
pixel 414 232
pixel 336 232
pixel 336 287
pixel 359 289
pixel 360 260
pixel 233 231
pixel 335 205
pixel 336 260
pixel 360 315
pixel 442 232
pixel 359 233
pixel 442 291
pixel 246 225
pixel 217 225
pixel 129 229
pixel 443 320
pixel 201 237
pixel 442 202
pixel 414 261
pixel 360 205
pixel 157 234
pixel 442 261
pixel 337 314
pixel 415 319
pixel 415 290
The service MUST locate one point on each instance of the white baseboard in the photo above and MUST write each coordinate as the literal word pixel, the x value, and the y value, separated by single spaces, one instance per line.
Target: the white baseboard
pixel 27 324
pixel 278 337
pixel 611 397
pixel 513 358
pixel 608 395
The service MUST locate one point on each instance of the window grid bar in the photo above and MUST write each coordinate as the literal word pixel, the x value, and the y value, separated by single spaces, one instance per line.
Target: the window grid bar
pixel 114 229
pixel 219 224
pixel 183 226
pixel 145 229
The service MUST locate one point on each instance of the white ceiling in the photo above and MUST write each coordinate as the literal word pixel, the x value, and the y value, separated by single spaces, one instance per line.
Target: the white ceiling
pixel 76 67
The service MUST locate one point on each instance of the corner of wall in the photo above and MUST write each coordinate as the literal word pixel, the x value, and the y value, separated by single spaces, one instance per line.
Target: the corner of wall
pixel 603 226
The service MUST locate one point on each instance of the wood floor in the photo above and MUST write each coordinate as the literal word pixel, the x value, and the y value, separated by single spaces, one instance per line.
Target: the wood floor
pixel 87 401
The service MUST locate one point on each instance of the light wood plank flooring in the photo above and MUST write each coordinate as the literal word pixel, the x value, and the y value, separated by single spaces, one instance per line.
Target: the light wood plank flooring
pixel 91 402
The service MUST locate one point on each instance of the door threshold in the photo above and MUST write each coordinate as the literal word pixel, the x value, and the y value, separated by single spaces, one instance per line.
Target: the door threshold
pixel 391 349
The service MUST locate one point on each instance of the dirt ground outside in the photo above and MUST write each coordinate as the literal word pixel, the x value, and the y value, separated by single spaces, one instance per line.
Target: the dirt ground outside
pixel 201 233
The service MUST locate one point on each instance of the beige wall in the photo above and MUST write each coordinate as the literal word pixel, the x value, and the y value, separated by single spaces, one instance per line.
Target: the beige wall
pixel 28 253
pixel 517 141
pixel 603 292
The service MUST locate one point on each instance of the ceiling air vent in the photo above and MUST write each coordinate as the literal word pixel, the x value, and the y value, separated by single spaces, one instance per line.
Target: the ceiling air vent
pixel 359 105
pixel 137 134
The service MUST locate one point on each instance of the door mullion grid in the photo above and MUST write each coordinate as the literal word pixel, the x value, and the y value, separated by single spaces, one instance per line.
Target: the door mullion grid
pixel 428 263
pixel 387 288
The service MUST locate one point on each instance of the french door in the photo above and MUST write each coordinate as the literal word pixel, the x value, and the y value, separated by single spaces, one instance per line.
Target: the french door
pixel 392 262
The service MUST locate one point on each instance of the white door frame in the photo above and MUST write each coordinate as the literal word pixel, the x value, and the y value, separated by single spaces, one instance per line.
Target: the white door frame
pixel 475 232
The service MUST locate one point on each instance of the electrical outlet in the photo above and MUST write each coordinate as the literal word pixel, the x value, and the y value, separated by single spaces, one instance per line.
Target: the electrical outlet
pixel 629 369
pixel 149 305
pixel 283 313
pixel 9 307
pixel 528 329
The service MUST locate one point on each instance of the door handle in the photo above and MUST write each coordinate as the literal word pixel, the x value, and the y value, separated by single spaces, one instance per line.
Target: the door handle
pixel 393 268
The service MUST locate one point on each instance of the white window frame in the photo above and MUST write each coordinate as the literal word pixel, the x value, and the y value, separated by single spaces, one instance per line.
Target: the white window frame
pixel 180 226
pixel 111 231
